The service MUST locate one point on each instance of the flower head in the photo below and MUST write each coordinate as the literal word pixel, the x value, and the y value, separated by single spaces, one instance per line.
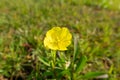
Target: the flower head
pixel 58 38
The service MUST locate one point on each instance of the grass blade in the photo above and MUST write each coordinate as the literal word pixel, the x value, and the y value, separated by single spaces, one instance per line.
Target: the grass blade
pixel 81 64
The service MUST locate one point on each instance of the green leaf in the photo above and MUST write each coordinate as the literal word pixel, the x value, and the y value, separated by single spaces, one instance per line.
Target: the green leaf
pixel 43 61
pixel 48 73
pixel 1 71
pixel 81 64
pixel 62 56
pixel 64 72
pixel 93 75
pixel 76 47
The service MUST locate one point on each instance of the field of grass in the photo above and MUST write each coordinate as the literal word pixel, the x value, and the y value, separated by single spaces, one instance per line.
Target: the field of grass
pixel 95 43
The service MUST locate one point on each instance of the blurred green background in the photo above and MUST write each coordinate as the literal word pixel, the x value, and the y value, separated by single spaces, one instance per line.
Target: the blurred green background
pixel 23 24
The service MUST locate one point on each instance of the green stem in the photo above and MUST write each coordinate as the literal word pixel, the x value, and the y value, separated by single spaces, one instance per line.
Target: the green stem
pixel 53 53
pixel 72 71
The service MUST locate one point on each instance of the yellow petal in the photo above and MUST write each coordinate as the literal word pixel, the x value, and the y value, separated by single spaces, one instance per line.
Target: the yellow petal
pixel 65 34
pixel 50 44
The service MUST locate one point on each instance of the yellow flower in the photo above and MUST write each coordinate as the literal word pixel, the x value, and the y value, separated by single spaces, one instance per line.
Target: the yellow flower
pixel 58 38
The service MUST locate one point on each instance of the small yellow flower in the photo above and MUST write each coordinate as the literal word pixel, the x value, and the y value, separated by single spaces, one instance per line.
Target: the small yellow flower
pixel 58 38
